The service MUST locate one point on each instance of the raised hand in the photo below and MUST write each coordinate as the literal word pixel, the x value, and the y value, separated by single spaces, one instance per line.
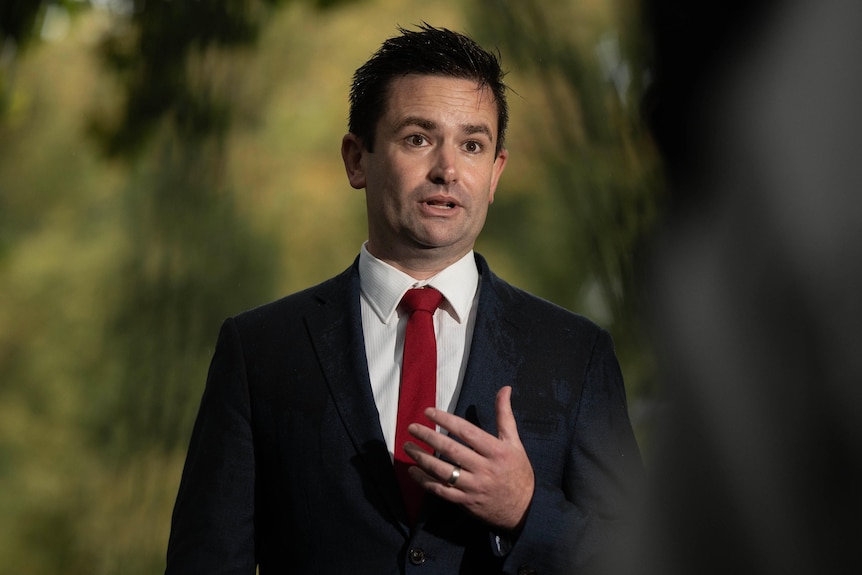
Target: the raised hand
pixel 492 476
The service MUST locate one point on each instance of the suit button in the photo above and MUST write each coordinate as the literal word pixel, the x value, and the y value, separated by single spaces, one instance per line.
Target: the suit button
pixel 526 570
pixel 417 556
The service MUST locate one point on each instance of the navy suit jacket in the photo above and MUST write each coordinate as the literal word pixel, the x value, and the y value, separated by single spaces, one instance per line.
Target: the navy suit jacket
pixel 287 466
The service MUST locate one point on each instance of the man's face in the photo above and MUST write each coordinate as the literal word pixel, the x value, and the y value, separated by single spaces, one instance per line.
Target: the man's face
pixel 433 172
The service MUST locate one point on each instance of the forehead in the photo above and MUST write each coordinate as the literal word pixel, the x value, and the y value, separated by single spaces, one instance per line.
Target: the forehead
pixel 445 96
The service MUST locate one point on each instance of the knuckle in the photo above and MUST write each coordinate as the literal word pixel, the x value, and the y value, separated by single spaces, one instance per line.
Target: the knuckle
pixel 497 450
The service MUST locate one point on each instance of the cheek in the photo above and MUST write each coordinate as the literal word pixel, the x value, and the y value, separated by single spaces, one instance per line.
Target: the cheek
pixel 479 212
pixel 483 185
pixel 391 179
pixel 383 201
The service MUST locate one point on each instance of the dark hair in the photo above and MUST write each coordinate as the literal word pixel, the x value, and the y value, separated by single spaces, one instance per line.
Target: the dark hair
pixel 427 51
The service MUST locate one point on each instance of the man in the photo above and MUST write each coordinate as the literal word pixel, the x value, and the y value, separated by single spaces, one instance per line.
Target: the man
pixel 524 461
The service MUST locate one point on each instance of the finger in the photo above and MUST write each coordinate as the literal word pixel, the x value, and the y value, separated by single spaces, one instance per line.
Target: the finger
pixel 436 469
pixel 507 428
pixel 440 488
pixel 476 438
pixel 445 446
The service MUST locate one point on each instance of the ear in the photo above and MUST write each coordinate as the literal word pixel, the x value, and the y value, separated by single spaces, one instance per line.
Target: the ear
pixel 499 164
pixel 352 151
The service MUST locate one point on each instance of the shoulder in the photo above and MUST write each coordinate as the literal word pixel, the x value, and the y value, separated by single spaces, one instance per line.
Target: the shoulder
pixel 524 307
pixel 334 292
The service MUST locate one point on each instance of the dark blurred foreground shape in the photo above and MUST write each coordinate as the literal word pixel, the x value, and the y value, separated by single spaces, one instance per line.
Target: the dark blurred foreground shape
pixel 757 289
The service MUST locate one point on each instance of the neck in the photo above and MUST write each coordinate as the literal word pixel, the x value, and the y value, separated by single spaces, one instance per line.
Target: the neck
pixel 421 265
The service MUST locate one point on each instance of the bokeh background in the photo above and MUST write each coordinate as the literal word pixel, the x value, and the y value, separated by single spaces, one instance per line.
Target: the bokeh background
pixel 166 164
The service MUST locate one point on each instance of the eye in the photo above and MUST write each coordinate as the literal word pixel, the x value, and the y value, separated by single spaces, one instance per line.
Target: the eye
pixel 416 140
pixel 473 146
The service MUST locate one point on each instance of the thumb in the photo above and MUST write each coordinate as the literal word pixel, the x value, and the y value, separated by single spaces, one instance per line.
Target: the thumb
pixel 507 429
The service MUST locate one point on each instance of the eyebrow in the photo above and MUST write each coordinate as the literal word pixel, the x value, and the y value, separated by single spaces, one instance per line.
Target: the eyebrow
pixel 478 129
pixel 430 125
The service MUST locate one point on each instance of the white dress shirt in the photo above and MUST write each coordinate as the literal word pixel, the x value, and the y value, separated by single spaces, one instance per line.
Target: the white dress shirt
pixel 384 323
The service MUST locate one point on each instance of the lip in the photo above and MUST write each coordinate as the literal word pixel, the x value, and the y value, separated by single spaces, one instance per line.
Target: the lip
pixel 439 203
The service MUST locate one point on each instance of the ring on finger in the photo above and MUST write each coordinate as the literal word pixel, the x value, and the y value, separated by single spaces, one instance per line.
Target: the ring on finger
pixel 456 473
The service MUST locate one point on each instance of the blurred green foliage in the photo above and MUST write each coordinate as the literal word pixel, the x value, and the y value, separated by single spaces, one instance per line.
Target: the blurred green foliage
pixel 166 164
pixel 579 225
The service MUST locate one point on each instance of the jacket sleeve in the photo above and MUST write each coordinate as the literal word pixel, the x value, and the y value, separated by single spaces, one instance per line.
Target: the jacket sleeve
pixel 212 528
pixel 578 524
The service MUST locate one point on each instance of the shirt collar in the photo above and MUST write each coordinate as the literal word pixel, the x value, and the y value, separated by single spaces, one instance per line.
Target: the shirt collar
pixel 383 286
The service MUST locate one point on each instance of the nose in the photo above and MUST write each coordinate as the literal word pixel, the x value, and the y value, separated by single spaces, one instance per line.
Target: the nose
pixel 443 170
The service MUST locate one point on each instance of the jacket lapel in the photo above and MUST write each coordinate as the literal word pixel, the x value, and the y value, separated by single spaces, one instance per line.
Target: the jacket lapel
pixel 494 356
pixel 336 332
pixel 493 364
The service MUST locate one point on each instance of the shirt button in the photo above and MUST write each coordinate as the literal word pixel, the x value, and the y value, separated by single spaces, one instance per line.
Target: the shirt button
pixel 417 556
pixel 526 570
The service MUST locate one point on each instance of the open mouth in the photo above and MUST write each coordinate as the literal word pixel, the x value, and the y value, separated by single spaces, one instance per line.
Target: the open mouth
pixel 444 205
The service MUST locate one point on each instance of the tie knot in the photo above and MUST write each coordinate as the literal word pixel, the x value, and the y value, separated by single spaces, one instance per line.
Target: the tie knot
pixel 425 299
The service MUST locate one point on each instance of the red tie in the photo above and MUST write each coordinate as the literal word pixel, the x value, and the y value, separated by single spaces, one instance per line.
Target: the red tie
pixel 418 387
